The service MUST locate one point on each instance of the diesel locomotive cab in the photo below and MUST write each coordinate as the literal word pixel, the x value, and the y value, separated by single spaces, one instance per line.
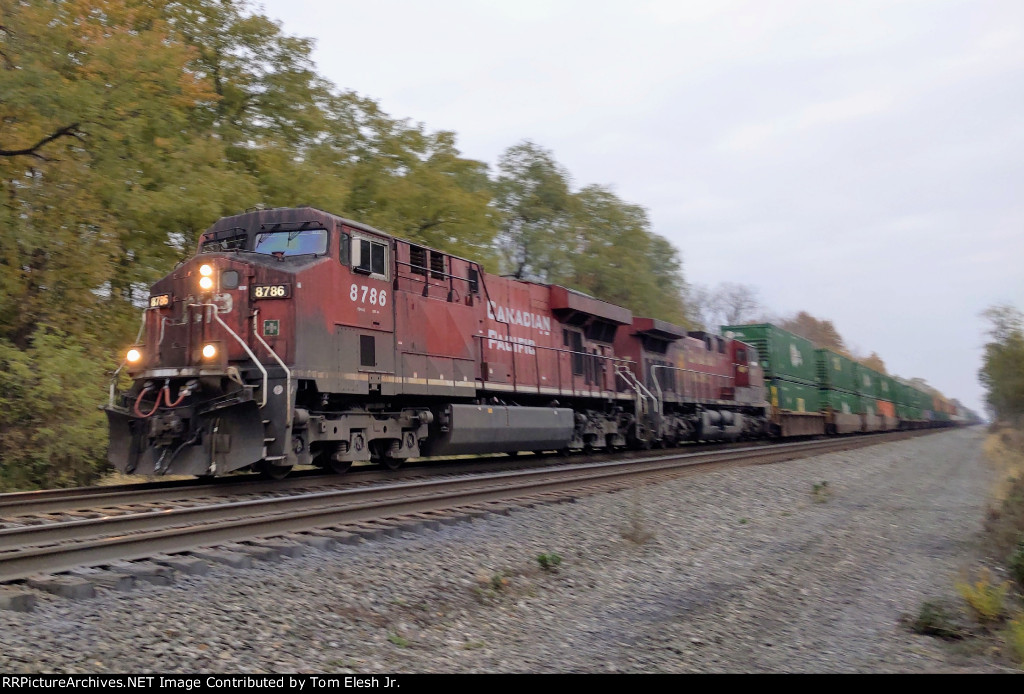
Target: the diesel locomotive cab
pixel 211 389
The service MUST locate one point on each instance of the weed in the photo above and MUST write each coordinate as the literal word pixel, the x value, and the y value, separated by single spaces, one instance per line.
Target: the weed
pixel 820 491
pixel 1005 522
pixel 985 600
pixel 934 620
pixel 744 521
pixel 473 645
pixel 1015 637
pixel 636 531
pixel 1016 563
pixel 399 641
pixel 549 562
pixel 490 587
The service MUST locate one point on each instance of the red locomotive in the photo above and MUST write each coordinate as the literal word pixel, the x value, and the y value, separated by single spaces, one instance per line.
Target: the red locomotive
pixel 298 337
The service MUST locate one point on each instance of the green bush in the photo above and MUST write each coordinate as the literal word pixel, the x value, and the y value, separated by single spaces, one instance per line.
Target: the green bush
pixel 549 562
pixel 52 434
pixel 1016 563
pixel 934 620
pixel 1015 637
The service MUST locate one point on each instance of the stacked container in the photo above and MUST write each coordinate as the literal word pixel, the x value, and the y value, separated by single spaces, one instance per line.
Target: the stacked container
pixel 839 398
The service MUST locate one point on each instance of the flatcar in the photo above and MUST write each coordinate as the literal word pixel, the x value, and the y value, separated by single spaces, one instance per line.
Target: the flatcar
pixel 298 337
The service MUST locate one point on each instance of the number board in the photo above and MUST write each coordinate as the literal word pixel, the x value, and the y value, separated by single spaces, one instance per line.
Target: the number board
pixel 271 291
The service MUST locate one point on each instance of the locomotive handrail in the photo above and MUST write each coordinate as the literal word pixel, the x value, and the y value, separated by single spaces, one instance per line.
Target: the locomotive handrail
pixel 113 379
pixel 615 361
pixel 287 371
pixel 557 349
pixel 631 380
pixel 657 383
pixel 431 274
pixel 232 333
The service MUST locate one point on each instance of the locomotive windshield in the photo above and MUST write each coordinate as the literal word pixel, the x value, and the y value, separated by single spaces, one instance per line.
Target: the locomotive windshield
pixel 306 242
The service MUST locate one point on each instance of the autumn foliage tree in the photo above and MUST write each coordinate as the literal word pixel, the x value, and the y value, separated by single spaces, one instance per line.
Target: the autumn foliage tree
pixel 94 100
pixel 1002 371
pixel 822 332
pixel 589 240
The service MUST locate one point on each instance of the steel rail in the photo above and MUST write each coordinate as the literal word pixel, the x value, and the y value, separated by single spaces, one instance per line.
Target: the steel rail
pixel 95 541
pixel 54 501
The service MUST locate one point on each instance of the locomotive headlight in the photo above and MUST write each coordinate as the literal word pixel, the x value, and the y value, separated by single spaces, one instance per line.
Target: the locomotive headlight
pixel 209 351
pixel 133 356
pixel 205 270
pixel 206 282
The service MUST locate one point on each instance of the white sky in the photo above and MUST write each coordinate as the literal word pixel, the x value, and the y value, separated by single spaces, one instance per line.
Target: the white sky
pixel 862 161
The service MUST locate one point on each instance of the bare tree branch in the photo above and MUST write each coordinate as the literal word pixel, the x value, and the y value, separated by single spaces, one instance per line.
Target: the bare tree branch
pixel 33 151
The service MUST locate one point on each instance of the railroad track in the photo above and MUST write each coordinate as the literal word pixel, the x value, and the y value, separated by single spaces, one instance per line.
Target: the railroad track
pixel 61 505
pixel 30 550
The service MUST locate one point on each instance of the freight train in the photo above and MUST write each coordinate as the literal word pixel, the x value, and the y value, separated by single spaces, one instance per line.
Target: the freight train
pixel 297 337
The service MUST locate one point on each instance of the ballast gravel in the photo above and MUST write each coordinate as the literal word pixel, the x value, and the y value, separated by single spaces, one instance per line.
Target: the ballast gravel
pixel 802 566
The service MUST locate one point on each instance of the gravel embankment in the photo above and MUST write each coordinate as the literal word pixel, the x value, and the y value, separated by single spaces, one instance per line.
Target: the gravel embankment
pixel 747 570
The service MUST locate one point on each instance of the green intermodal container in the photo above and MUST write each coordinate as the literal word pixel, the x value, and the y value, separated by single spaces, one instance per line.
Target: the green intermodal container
pixel 783 354
pixel 795 397
pixel 836 371
pixel 902 400
pixel 840 401
pixel 867 381
pixel 888 388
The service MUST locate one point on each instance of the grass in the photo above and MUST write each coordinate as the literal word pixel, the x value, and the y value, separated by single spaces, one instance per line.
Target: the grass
pixel 1016 564
pixel 936 619
pixel 985 600
pixel 491 587
pixel 988 602
pixel 1015 638
pixel 399 641
pixel 116 478
pixel 636 530
pixel 820 492
pixel 1004 525
pixel 549 561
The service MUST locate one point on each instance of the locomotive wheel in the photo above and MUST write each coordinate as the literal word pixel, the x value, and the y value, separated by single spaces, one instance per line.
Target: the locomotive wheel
pixel 339 468
pixel 274 472
pixel 325 461
pixel 391 463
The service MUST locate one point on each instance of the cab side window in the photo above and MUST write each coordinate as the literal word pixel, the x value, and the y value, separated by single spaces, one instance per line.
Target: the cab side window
pixel 370 257
pixel 344 248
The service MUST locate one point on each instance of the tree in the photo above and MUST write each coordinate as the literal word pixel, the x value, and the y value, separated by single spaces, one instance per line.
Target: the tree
pixel 614 256
pixel 97 101
pixel 532 195
pixel 874 362
pixel 729 303
pixel 422 189
pixel 1002 371
pixel 819 331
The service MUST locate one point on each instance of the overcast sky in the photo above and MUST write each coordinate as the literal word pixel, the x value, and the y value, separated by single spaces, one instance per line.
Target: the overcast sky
pixel 862 161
